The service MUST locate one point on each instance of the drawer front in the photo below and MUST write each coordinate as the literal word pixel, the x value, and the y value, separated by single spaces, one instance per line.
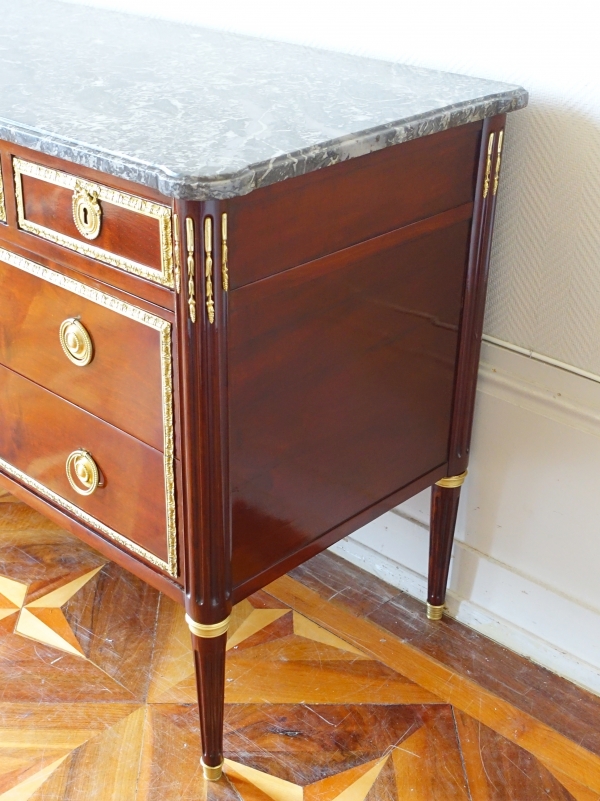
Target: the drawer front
pixel 114 227
pixel 128 380
pixel 38 434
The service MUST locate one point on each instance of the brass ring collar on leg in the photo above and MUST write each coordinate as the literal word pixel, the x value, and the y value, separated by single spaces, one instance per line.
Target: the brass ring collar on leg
pixel 435 612
pixel 210 773
pixel 452 482
pixel 208 630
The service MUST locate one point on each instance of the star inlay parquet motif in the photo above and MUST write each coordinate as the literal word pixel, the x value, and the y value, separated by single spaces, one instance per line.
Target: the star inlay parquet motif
pixel 99 702
pixel 42 619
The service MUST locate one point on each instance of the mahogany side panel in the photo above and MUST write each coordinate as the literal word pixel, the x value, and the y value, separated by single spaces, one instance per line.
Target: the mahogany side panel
pixel 40 430
pixel 122 384
pixel 340 383
pixel 277 569
pixel 304 218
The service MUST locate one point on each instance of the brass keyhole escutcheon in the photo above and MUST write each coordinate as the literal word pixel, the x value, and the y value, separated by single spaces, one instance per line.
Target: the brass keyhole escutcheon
pixel 82 472
pixel 76 342
pixel 87 212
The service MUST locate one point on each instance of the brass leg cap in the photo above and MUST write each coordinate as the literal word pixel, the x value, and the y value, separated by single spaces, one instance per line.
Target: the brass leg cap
pixel 435 612
pixel 210 773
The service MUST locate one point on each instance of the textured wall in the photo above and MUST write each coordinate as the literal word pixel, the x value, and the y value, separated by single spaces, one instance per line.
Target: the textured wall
pixel 545 281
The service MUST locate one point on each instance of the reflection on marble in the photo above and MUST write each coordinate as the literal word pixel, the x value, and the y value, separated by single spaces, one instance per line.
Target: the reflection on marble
pixel 199 113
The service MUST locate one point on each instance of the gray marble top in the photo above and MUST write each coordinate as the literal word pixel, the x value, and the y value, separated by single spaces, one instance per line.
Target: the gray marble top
pixel 199 113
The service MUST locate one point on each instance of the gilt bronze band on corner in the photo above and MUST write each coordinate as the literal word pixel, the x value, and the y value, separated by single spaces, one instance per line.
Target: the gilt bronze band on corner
pixel 210 773
pixel 208 630
pixel 435 612
pixel 208 269
pixel 498 160
pixel 2 205
pixel 452 482
pixel 191 267
pixel 224 254
pixel 488 166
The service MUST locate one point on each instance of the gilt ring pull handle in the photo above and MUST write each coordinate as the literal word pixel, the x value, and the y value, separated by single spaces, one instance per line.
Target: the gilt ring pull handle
pixel 87 212
pixel 82 472
pixel 76 342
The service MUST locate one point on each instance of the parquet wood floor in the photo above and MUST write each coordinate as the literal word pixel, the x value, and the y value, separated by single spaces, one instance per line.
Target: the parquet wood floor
pixel 338 689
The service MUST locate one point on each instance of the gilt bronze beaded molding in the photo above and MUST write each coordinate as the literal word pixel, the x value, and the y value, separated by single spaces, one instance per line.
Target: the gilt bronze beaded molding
pixel 164 276
pixel 2 204
pixel 166 364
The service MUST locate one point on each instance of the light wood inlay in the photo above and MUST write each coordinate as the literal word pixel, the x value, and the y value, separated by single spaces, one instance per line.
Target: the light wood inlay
pixel 322 703
pixel 522 729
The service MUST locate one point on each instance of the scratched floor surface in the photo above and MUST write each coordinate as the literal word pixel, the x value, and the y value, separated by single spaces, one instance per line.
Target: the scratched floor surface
pixel 338 689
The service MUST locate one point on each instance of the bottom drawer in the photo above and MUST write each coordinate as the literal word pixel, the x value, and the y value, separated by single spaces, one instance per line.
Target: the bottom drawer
pixel 42 435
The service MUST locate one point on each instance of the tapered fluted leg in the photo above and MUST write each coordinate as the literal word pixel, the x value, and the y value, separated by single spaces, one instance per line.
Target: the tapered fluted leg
pixel 209 659
pixel 444 508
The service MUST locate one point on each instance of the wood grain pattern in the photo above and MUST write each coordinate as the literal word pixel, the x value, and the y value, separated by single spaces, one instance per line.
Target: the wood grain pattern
pixel 498 769
pixel 564 707
pixel 123 232
pixel 122 384
pixel 329 348
pixel 444 509
pixel 39 432
pixel 121 721
pixel 520 728
pixel 147 572
pixel 335 380
pixel 299 220
pixel 10 233
pixel 474 303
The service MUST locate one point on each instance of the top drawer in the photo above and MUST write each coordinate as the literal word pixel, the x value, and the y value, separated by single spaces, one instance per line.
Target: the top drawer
pixel 114 227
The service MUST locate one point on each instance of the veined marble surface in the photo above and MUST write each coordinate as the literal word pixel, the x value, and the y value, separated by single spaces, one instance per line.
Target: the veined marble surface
pixel 200 114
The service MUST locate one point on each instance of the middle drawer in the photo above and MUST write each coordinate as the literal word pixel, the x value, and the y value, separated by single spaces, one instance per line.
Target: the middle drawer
pixel 100 353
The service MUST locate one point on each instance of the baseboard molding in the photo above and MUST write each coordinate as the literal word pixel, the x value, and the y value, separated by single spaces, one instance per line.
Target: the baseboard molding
pixel 566 407
pixel 471 614
pixel 523 565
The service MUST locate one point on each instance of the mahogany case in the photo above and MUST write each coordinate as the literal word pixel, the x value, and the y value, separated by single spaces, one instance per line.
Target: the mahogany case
pixel 267 373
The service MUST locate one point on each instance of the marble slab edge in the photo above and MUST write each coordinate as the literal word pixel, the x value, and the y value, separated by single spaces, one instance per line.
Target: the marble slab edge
pixel 280 168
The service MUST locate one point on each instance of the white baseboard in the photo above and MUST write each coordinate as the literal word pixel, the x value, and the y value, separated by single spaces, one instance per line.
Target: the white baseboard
pixel 476 617
pixel 526 558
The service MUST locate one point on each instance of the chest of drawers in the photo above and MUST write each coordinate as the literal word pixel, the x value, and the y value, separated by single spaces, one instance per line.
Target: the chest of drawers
pixel 211 374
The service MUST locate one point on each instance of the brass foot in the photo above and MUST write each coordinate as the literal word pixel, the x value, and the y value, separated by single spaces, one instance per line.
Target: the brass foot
pixel 435 612
pixel 212 774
